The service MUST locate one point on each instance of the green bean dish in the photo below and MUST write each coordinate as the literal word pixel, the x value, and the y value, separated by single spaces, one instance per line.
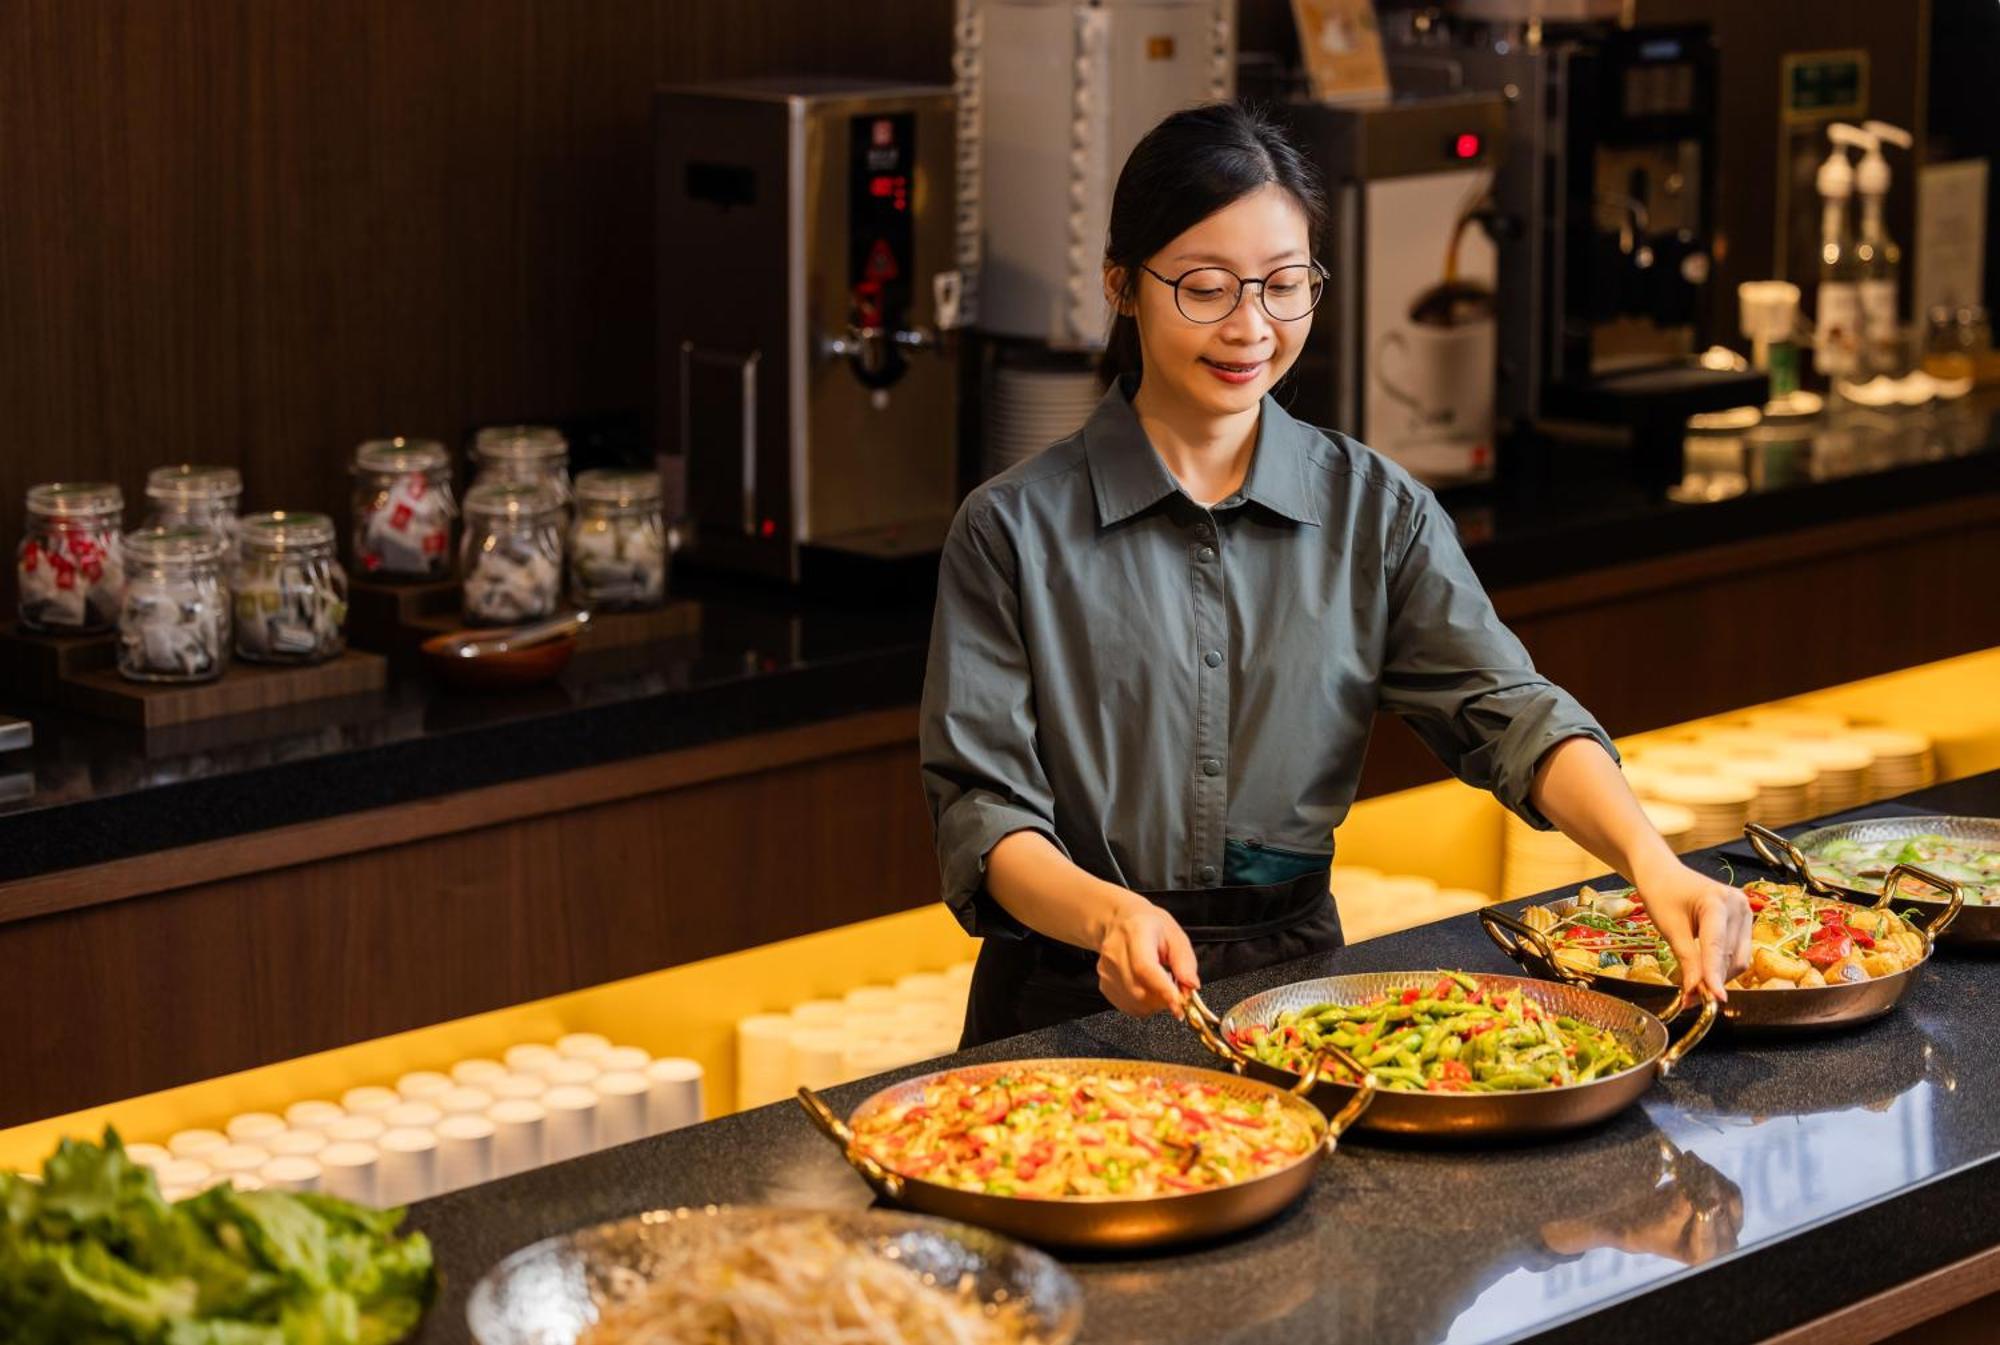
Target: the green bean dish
pixel 1448 1036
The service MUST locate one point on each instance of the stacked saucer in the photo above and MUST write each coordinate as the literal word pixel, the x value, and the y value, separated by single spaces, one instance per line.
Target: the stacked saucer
pixel 1842 763
pixel 1029 409
pixel 1674 823
pixel 1533 862
pixel 1903 761
pixel 1720 804
pixel 1784 786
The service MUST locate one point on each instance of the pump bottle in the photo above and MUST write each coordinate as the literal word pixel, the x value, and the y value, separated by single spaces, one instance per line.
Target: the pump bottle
pixel 1878 259
pixel 1837 307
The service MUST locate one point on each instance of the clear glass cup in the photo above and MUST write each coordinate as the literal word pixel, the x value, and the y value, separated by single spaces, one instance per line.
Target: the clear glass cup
pixel 618 542
pixel 524 453
pixel 291 592
pixel 69 568
pixel 511 557
pixel 189 496
pixel 173 625
pixel 404 509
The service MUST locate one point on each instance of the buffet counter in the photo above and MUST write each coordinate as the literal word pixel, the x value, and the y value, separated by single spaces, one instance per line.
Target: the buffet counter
pixel 1768 1185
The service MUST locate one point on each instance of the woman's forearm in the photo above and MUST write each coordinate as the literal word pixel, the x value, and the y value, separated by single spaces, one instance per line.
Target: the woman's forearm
pixel 1043 889
pixel 1580 789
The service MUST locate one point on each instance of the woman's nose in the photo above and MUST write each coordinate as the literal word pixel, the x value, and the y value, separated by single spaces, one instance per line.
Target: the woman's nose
pixel 1249 324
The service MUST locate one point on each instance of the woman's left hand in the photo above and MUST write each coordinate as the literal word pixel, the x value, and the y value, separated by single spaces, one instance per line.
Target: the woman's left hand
pixel 1706 923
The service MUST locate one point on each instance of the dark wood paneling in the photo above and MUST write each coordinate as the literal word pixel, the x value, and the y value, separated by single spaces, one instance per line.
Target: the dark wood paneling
pixel 259 231
pixel 136 995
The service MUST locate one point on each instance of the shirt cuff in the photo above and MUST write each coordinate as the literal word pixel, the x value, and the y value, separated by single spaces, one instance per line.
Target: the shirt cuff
pixel 974 825
pixel 1534 733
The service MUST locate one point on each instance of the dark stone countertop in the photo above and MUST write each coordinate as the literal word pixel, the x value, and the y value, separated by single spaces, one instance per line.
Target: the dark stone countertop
pixel 1768 1182
pixel 90 791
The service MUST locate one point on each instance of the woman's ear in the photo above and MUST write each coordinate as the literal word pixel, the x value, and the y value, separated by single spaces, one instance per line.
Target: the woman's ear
pixel 1114 291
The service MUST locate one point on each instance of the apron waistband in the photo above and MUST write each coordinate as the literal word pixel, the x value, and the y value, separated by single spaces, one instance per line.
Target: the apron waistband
pixel 1235 914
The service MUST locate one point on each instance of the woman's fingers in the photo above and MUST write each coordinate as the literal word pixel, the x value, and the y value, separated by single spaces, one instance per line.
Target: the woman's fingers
pixel 1178 954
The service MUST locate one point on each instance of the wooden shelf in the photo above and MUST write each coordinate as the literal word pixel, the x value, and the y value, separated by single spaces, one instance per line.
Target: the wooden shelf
pixel 242 688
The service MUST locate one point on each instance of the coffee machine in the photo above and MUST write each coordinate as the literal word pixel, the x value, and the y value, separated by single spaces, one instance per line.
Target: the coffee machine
pixel 1603 207
pixel 808 288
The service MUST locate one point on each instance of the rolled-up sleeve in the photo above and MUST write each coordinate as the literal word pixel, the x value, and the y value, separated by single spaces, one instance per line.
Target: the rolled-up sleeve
pixel 1459 677
pixel 982 776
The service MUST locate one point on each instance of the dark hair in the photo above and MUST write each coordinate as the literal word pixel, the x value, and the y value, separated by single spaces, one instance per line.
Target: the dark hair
pixel 1191 165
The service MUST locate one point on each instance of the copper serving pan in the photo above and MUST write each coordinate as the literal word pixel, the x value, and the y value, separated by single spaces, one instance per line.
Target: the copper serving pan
pixel 1539 1111
pixel 1807 1008
pixel 1977 926
pixel 1102 1221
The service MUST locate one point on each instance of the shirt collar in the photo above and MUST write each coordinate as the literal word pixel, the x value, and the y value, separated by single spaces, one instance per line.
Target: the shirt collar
pixel 1127 476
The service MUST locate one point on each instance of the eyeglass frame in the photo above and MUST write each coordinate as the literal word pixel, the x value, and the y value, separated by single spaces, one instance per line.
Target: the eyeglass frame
pixel 1243 283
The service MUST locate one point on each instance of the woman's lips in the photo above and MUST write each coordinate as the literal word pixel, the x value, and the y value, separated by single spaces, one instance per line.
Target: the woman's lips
pixel 1234 372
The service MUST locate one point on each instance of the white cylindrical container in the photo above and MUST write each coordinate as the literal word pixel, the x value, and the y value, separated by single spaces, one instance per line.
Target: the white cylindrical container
pixel 312 1114
pixel 183 1177
pixel 254 1127
pixel 866 1058
pixel 477 1072
pixel 872 998
pixel 927 985
pixel 583 1046
pixel 466 1101
pixel 291 1172
pixel 522 1086
pixel 408 1170
pixel 573 1071
pixel 195 1143
pixel 465 1151
pixel 296 1143
pixel 531 1057
pixel 673 1094
pixel 820 1058
pixel 874 1025
pixel 572 1112
pixel 520 1135
pixel 621 1107
pixel 412 1116
pixel 764 1067
pixel 233 1159
pixel 423 1085
pixel 356 1130
pixel 625 1059
pixel 369 1100
pixel 347 1169
pixel 824 1013
pixel 149 1155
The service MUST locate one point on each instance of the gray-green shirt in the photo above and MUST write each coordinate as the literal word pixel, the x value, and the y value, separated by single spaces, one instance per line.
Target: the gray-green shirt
pixel 1179 696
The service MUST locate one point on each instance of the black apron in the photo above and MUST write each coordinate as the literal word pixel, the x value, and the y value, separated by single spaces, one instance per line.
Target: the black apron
pixel 1023 984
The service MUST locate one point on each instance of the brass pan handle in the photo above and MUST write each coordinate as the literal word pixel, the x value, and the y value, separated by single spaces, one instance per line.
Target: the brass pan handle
pixel 1932 925
pixel 1677 1051
pixel 1781 854
pixel 1527 945
pixel 1197 1015
pixel 1365 1089
pixel 886 1184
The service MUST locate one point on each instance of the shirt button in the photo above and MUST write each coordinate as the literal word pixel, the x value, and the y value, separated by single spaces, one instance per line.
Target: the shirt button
pixel 1212 658
pixel 1207 873
pixel 1202 531
pixel 1207 553
pixel 1210 766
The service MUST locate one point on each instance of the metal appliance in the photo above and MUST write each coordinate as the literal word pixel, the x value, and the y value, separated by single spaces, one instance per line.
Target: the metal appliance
pixel 1605 205
pixel 807 283
pixel 1403 347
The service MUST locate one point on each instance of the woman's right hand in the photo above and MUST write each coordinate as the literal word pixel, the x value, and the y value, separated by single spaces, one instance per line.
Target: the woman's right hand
pixel 1144 960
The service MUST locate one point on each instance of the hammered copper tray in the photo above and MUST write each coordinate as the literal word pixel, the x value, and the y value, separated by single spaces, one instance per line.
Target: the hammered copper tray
pixel 1977 926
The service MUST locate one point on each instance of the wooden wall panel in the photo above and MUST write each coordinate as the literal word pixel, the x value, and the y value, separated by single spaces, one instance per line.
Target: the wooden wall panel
pixel 99 1002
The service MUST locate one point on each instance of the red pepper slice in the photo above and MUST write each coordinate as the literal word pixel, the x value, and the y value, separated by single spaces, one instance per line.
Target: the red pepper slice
pixel 1412 995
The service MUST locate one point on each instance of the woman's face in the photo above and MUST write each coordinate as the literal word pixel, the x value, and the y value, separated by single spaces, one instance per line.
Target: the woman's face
pixel 1221 368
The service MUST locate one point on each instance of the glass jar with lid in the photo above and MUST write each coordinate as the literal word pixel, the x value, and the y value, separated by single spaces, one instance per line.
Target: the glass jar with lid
pixel 190 496
pixel 511 557
pixel 173 625
pixel 69 568
pixel 291 593
pixel 403 509
pixel 536 453
pixel 618 542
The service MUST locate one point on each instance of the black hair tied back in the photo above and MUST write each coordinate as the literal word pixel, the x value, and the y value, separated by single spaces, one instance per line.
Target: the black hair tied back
pixel 1191 165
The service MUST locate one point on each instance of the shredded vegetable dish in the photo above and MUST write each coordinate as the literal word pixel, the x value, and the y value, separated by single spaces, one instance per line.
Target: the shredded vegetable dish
pixel 1450 1035
pixel 1798 941
pixel 1973 865
pixel 1053 1134
pixel 804 1282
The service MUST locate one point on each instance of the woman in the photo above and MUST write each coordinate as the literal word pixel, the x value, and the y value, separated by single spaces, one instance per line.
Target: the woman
pixel 1159 644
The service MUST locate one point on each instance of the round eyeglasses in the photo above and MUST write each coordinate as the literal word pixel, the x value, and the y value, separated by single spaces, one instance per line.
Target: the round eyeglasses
pixel 1210 293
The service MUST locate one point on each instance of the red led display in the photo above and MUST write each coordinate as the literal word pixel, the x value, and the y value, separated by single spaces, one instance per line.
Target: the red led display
pixel 1467 146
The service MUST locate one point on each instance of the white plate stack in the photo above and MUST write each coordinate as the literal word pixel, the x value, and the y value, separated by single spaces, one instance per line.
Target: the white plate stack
pixel 870 1030
pixel 1029 409
pixel 1674 823
pixel 1903 761
pixel 1784 786
pixel 1532 862
pixel 1842 764
pixel 1720 804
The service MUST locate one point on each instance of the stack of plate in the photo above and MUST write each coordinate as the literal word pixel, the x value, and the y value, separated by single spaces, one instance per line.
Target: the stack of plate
pixel 1029 409
pixel 1720 804
pixel 1842 763
pixel 873 1028
pixel 1784 786
pixel 1674 823
pixel 1793 721
pixel 1534 861
pixel 1903 761
pixel 1373 903
pixel 1683 758
pixel 1739 742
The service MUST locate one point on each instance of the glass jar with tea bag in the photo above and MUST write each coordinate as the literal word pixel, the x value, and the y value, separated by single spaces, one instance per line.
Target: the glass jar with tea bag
pixel 190 496
pixel 523 453
pixel 291 593
pixel 69 569
pixel 618 542
pixel 173 625
pixel 511 558
pixel 403 509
